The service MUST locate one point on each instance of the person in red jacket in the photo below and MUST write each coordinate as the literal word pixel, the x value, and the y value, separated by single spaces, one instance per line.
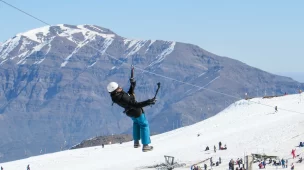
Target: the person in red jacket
pixel 293 152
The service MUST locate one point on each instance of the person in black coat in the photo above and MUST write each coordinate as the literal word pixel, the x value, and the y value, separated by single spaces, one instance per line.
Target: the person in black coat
pixel 135 111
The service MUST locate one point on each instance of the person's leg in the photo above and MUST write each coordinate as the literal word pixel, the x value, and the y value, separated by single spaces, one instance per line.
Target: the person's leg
pixel 136 133
pixel 144 129
pixel 144 132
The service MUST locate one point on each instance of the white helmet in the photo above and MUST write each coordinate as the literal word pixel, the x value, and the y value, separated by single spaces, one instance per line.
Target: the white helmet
pixel 112 87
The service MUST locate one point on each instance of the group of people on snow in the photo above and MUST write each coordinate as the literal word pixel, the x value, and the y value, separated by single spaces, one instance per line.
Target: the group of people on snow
pixel 205 166
pixel 196 167
pixel 282 162
pixel 239 162
pixel 214 147
pixel 217 163
pixel 262 164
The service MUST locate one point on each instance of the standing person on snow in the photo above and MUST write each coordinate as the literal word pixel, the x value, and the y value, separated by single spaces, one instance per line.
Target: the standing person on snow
pixel 28 167
pixel 135 111
pixel 220 145
pixel 211 162
pixel 205 166
pixel 283 163
pixel 292 167
pixel 293 152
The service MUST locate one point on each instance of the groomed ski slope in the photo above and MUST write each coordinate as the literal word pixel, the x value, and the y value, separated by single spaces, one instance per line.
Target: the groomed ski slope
pixel 246 127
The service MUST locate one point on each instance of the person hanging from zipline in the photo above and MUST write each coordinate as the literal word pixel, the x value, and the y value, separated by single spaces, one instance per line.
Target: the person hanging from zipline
pixel 134 110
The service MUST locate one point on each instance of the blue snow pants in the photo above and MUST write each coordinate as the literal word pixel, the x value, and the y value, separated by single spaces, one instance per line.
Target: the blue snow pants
pixel 141 129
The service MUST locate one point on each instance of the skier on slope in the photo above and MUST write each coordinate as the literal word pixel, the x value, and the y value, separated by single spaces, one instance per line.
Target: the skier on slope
pixel 134 110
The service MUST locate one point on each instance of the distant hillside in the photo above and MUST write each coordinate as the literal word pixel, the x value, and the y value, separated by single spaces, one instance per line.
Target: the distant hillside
pixel 106 140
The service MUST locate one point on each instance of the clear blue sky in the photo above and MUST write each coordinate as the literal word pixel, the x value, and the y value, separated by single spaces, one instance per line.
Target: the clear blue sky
pixel 267 34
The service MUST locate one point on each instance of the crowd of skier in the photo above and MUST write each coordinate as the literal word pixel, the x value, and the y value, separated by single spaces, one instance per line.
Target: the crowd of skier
pixel 239 163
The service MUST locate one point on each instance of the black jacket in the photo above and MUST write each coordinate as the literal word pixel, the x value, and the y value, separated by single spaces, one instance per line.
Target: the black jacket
pixel 127 101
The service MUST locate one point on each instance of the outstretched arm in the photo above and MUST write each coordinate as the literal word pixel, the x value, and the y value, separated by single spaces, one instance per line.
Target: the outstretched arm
pixel 129 101
pixel 133 82
pixel 132 86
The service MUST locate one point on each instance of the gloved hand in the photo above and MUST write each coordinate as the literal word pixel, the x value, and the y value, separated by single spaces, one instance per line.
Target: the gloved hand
pixel 151 101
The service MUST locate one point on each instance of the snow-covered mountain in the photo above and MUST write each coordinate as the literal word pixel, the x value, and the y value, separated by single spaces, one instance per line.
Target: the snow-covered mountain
pixel 23 45
pixel 53 81
pixel 246 127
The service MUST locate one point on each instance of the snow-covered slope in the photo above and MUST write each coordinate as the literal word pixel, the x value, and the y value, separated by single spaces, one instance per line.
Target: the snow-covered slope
pixel 245 126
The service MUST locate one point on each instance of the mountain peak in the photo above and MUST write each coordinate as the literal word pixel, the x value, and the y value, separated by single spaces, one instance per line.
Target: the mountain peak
pixel 64 30
pixel 24 44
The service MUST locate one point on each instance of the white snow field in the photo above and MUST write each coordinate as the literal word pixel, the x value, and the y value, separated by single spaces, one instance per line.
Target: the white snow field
pixel 245 126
